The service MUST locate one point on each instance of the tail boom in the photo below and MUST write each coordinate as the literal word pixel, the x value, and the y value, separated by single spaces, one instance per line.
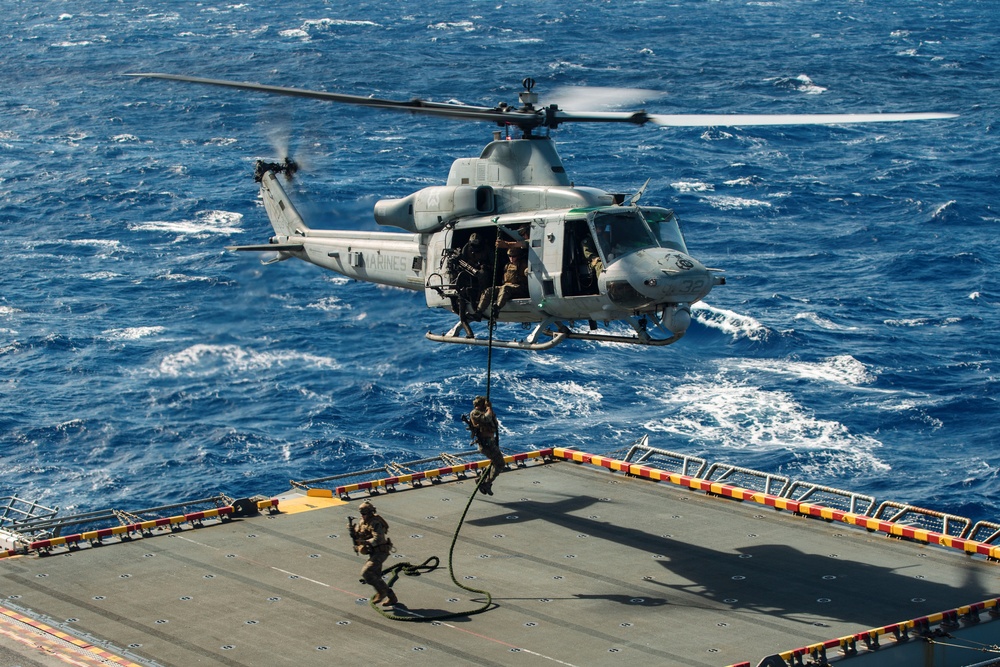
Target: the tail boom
pixel 385 258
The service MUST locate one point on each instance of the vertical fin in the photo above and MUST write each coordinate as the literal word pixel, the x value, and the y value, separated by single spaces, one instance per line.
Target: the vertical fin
pixel 282 213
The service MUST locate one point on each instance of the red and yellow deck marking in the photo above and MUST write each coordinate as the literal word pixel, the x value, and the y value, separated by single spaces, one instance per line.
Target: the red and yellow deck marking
pixel 896 630
pixel 101 656
pixel 343 491
pixel 808 509
pixel 141 527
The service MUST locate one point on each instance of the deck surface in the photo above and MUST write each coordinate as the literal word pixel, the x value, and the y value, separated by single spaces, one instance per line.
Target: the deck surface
pixel 585 567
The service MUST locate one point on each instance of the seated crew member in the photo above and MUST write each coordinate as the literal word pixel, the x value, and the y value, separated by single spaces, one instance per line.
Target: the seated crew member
pixel 591 257
pixel 515 274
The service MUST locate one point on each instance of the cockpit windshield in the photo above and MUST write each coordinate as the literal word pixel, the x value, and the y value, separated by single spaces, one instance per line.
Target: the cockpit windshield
pixel 665 225
pixel 621 232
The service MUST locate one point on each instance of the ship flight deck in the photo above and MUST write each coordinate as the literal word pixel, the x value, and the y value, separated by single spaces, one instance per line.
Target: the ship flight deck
pixel 589 560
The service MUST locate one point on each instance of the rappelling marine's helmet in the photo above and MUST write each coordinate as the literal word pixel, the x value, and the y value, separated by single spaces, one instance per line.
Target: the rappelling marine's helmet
pixel 366 508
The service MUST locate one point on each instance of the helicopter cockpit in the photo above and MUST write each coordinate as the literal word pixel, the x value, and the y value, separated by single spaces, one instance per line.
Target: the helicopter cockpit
pixel 622 230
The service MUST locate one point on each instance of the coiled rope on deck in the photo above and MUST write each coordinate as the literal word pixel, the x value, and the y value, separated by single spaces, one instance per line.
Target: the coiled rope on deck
pixel 408 569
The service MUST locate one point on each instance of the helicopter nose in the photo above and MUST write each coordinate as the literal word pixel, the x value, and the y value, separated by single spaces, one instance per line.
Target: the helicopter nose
pixel 657 276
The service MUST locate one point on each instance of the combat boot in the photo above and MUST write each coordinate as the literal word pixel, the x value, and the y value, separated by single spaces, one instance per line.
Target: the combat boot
pixel 377 598
pixel 391 600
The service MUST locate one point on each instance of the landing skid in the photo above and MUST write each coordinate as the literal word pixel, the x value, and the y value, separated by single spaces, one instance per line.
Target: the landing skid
pixel 614 338
pixel 657 335
pixel 462 333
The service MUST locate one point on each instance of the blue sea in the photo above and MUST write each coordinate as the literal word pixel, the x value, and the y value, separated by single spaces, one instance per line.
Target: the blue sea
pixel 856 343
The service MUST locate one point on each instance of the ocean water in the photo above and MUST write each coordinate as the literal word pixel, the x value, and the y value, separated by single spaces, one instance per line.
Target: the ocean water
pixel 856 343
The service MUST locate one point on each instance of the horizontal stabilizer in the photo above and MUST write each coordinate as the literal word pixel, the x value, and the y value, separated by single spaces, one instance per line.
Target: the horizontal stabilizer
pixel 267 247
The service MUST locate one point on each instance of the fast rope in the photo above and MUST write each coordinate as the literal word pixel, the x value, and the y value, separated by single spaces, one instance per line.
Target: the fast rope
pixel 410 570
pixel 493 315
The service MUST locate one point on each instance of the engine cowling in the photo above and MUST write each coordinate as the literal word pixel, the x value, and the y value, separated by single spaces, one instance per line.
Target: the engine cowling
pixel 427 210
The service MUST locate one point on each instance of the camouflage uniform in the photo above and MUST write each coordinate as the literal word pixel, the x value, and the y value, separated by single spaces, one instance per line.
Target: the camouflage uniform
pixel 473 274
pixel 484 426
pixel 373 541
pixel 515 274
pixel 591 257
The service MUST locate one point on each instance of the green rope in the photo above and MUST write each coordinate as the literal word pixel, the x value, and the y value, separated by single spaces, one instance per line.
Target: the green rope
pixel 409 569
pixel 493 316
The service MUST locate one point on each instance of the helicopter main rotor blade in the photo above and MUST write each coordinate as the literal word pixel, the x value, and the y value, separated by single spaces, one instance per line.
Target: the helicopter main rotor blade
pixel 529 118
pixel 747 120
pixel 459 111
pixel 734 120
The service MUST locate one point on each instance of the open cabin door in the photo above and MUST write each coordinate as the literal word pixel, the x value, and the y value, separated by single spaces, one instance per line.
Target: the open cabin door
pixel 439 280
pixel 578 277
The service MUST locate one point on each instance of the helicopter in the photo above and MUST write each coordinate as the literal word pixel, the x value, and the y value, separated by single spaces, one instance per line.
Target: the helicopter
pixel 510 238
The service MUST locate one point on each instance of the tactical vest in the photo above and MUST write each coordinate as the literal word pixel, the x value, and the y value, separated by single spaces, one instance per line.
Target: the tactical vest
pixel 365 532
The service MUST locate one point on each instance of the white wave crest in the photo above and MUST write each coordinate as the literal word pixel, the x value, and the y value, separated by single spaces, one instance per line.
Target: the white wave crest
pixel 942 208
pixel 823 323
pixel 729 322
pixel 184 278
pixel 842 370
pixel 714 412
pixel 330 303
pixel 316 26
pixel 333 23
pixel 801 83
pixel 204 359
pixel 716 134
pixel 692 186
pixel 744 181
pixel 464 26
pixel 922 322
pixel 131 333
pixel 807 86
pixel 112 244
pixel 542 401
pixel 730 203
pixel 206 222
